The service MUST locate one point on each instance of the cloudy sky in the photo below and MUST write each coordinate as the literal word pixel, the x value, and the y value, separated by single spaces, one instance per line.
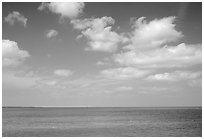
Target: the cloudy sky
pixel 102 54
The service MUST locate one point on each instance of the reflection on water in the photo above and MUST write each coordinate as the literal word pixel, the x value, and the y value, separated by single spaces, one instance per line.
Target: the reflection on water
pixel 102 122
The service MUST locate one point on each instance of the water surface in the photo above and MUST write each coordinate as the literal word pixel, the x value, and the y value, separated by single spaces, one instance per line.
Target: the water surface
pixel 102 122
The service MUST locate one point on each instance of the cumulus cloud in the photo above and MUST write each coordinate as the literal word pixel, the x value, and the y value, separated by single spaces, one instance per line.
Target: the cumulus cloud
pixel 16 17
pixel 11 54
pixel 92 22
pixel 124 73
pixel 175 76
pixel 64 9
pixel 181 55
pixel 51 33
pixel 99 33
pixel 63 72
pixel 153 34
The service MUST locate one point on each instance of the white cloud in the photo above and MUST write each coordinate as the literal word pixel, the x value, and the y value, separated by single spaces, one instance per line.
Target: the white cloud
pixel 117 89
pixel 64 9
pixel 181 55
pixel 48 82
pixel 12 55
pixel 99 33
pixel 162 77
pixel 155 33
pixel 63 72
pixel 92 22
pixel 175 76
pixel 100 63
pixel 154 88
pixel 43 6
pixel 144 35
pixel 79 37
pixel 124 88
pixel 157 90
pixel 16 17
pixel 124 73
pixel 51 33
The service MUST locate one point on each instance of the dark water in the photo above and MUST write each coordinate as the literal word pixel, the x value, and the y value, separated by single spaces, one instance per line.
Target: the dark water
pixel 102 122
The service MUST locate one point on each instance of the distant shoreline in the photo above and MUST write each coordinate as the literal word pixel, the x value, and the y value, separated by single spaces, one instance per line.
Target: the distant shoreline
pixel 199 107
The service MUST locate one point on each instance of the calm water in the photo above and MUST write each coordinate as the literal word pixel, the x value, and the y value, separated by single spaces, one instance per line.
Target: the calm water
pixel 102 122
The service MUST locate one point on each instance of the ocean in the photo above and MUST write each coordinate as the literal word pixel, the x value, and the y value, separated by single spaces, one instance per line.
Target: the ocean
pixel 101 122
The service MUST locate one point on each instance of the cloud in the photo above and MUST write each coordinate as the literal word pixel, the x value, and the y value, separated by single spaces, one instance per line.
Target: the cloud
pixel 175 76
pixel 51 33
pixel 124 73
pixel 145 35
pixel 16 17
pixel 153 34
pixel 63 72
pixel 181 55
pixel 157 90
pixel 99 33
pixel 124 88
pixel 100 63
pixel 92 22
pixel 154 88
pixel 47 82
pixel 64 9
pixel 12 55
pixel 116 89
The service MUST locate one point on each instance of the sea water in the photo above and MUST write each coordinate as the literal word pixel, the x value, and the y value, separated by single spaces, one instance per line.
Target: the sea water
pixel 102 122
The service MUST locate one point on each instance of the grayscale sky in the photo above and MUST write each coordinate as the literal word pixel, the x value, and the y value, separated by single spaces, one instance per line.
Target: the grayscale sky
pixel 102 54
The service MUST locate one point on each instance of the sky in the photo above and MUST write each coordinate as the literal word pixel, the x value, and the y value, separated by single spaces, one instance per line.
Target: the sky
pixel 102 54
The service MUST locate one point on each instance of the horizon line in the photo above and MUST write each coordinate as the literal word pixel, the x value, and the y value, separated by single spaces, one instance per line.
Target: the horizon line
pixel 93 106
